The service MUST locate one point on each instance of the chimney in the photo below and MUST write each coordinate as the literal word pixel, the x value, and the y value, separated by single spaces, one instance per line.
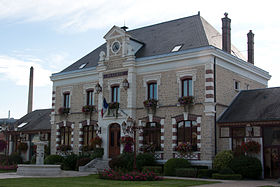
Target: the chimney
pixel 30 93
pixel 226 33
pixel 9 114
pixel 250 45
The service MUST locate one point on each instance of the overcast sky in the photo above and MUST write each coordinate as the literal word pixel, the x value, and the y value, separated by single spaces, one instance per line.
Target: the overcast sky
pixel 52 34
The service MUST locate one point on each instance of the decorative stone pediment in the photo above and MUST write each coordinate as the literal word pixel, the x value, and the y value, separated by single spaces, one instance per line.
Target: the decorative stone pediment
pixel 115 32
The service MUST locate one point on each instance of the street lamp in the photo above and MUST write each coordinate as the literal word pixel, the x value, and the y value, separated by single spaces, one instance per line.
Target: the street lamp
pixel 98 88
pixel 130 127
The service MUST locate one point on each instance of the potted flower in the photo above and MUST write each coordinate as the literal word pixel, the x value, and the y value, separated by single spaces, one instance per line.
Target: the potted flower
pixel 63 110
pixel 128 142
pixel 88 109
pixel 96 141
pixel 186 101
pixel 114 107
pixel 22 147
pixel 151 104
pixel 184 149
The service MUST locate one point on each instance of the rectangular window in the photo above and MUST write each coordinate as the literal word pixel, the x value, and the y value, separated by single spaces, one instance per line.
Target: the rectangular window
pixel 187 87
pixel 151 135
pixel 238 136
pixel 66 101
pixel 90 97
pixel 152 91
pixel 116 94
pixel 236 85
pixel 88 133
pixel 187 132
pixel 65 136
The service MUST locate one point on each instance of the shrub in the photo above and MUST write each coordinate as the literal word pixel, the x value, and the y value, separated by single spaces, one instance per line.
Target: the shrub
pixel 123 162
pixel 226 176
pixel 156 169
pixel 54 159
pixel 222 160
pixel 248 167
pixel 205 173
pixel 226 171
pixel 22 146
pixel 200 167
pixel 97 153
pixel 70 162
pixel 14 158
pixel 145 159
pixel 172 164
pixel 3 145
pixel 186 172
pixel 130 176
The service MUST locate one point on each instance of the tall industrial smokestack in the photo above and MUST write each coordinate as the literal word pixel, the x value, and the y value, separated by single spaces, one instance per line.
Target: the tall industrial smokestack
pixel 30 93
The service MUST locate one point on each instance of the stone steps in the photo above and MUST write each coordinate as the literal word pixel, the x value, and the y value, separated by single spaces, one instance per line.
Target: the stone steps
pixel 95 165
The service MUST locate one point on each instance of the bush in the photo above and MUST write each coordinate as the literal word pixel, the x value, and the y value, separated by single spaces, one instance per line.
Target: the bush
pixel 200 167
pixel 172 164
pixel 14 158
pixel 226 171
pixel 145 159
pixel 53 159
pixel 82 162
pixel 226 176
pixel 205 173
pixel 70 162
pixel 123 162
pixel 248 167
pixel 97 153
pixel 186 172
pixel 155 169
pixel 222 160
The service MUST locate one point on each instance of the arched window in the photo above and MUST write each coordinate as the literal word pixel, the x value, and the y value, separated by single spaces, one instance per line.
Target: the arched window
pixel 65 135
pixel 151 135
pixel 88 134
pixel 187 132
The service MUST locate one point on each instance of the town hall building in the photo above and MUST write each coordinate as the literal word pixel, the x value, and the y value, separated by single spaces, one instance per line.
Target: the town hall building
pixel 145 74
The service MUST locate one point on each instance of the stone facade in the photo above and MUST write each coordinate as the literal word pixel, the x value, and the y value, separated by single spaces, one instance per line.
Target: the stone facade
pixel 204 67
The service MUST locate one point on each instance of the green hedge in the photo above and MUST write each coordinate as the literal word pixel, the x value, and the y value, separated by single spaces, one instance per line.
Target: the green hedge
pixel 205 173
pixel 222 160
pixel 186 172
pixel 172 164
pixel 248 167
pixel 54 159
pixel 226 176
pixel 155 169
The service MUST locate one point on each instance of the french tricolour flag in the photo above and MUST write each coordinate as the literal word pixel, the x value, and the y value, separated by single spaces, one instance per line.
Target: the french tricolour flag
pixel 104 107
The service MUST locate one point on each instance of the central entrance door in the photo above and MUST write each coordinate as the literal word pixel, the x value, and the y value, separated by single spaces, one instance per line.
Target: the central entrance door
pixel 114 140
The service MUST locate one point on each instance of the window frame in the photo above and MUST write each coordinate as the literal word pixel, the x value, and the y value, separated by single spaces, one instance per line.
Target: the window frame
pixel 88 130
pixel 62 130
pixel 237 84
pixel 192 126
pixel 90 93
pixel 151 132
pixel 233 138
pixel 154 88
pixel 188 78
pixel 113 91
pixel 66 99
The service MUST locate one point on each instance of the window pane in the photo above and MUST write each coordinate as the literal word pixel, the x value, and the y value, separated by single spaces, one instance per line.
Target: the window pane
pixel 190 88
pixel 90 98
pixel 151 134
pixel 150 91
pixel 185 88
pixel 155 91
pixel 238 132
pixel 118 94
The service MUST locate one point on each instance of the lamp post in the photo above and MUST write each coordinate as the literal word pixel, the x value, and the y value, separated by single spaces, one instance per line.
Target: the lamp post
pixel 130 127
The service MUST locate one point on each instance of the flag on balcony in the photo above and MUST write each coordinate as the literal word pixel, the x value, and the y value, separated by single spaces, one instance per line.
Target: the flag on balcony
pixel 104 107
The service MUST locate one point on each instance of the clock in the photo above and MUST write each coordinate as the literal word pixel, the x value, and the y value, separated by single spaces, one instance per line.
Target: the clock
pixel 116 47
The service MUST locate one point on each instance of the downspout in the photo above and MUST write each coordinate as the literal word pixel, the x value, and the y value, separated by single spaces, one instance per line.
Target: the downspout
pixel 215 99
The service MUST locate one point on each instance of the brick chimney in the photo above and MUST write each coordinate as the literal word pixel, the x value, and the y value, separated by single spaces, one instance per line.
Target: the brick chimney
pixel 30 93
pixel 250 45
pixel 226 33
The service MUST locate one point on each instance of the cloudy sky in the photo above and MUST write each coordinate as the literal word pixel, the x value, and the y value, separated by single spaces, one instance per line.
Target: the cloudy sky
pixel 52 34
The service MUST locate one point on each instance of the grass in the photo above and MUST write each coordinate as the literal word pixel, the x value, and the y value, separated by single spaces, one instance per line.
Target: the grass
pixel 93 180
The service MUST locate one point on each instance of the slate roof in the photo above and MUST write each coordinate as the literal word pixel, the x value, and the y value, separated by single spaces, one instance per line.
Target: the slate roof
pixel 253 105
pixel 191 32
pixel 36 120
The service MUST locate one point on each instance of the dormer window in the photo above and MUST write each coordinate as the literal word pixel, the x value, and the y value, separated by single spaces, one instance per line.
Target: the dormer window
pixel 82 66
pixel 176 48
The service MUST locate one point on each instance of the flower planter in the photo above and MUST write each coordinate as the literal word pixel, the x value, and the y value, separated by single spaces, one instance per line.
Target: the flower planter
pixel 63 111
pixel 151 106
pixel 88 109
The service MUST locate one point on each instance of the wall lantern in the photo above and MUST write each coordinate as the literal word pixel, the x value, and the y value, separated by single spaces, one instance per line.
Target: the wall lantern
pixel 98 88
pixel 125 84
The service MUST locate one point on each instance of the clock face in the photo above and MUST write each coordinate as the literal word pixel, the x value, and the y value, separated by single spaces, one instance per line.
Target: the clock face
pixel 116 46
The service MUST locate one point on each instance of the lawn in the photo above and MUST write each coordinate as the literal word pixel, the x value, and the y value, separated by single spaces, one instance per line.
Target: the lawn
pixel 93 180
